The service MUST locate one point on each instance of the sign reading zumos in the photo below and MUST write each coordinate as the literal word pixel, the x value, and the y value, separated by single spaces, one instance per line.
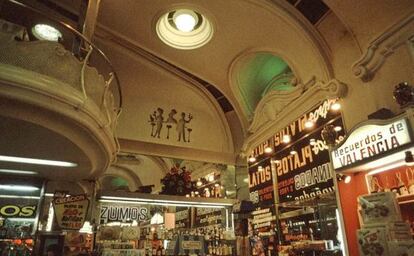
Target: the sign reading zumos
pixel 370 140
pixel 71 211
pixel 125 213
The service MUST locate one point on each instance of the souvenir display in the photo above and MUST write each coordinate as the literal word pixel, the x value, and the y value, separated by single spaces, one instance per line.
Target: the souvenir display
pixel 383 232
pixel 378 207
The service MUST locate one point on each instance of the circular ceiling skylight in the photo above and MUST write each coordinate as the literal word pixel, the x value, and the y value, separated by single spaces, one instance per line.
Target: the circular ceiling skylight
pixel 184 29
pixel 46 32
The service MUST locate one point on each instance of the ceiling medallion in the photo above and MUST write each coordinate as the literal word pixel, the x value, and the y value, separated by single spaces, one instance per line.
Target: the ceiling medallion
pixel 184 29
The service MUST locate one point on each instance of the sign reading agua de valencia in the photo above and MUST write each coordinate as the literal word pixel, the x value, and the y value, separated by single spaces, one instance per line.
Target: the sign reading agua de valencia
pixel 371 140
pixel 320 115
pixel 261 184
pixel 71 211
pixel 307 173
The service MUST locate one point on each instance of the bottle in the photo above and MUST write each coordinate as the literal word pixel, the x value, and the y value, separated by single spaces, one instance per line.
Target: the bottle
pixel 208 192
pixel 210 249
pixel 154 251
pixel 163 252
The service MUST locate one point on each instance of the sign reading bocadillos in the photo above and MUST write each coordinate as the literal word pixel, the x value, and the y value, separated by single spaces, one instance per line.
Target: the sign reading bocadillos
pixel 370 140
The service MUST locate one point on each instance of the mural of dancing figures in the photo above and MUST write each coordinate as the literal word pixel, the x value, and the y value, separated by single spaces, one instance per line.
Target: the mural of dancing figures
pixel 156 120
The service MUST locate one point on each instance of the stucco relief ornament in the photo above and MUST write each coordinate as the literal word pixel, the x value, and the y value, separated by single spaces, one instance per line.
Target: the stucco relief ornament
pixel 403 94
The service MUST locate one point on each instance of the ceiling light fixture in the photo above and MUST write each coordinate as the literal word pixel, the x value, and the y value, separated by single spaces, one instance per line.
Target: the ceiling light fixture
pixel 252 159
pixel 409 159
pixel 338 128
pixel 18 172
pixel 276 161
pixel 286 138
pixel 184 29
pixel 293 151
pixel 312 142
pixel 199 183
pixel 25 160
pixel 336 106
pixel 268 150
pixel 185 20
pixel 46 32
pixel 18 187
pixel 309 124
pixel 347 179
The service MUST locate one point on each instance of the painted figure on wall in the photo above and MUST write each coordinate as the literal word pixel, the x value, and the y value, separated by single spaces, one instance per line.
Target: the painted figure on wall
pixel 181 126
pixel 159 120
pixel 156 119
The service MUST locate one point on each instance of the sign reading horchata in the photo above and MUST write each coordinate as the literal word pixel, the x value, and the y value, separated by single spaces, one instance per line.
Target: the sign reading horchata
pixel 370 140
pixel 123 213
pixel 71 211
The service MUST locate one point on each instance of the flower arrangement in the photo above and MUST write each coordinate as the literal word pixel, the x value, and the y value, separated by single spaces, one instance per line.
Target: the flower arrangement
pixel 177 182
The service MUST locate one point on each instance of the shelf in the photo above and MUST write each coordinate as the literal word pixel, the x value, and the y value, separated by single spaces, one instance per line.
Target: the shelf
pixel 406 199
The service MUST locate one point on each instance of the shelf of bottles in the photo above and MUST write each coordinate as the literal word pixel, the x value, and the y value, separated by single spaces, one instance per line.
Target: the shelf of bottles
pixel 217 240
pixel 208 186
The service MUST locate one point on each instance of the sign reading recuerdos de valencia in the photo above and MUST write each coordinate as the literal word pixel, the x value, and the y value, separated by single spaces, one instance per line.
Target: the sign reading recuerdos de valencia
pixel 370 140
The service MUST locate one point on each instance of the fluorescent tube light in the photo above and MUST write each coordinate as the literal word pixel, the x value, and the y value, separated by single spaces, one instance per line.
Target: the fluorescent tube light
pixel 10 171
pixel 144 200
pixel 18 187
pixel 36 161
pixel 20 197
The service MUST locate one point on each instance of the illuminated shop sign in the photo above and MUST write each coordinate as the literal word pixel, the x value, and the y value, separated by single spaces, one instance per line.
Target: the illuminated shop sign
pixel 370 140
pixel 71 211
pixel 319 116
pixel 261 183
pixel 123 213
pixel 306 173
pixel 17 211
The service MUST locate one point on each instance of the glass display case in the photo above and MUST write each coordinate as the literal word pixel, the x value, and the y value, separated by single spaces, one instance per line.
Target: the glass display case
pixel 309 228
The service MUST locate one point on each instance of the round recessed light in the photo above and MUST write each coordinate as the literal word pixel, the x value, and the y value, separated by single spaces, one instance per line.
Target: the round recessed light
pixel 184 29
pixel 46 32
pixel 312 142
pixel 252 159
pixel 268 150
pixel 338 128
pixel 185 20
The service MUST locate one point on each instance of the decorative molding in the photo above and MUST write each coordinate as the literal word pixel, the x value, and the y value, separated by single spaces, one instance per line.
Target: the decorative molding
pixel 382 47
pixel 155 149
pixel 278 109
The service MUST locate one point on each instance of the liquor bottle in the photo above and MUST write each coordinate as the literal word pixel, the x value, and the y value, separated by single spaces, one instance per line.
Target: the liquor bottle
pixel 163 252
pixel 208 192
pixel 213 193
pixel 210 249
pixel 154 251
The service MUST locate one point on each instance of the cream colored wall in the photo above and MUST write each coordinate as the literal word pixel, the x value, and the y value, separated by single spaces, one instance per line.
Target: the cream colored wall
pixel 365 97
pixel 368 18
pixel 147 86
